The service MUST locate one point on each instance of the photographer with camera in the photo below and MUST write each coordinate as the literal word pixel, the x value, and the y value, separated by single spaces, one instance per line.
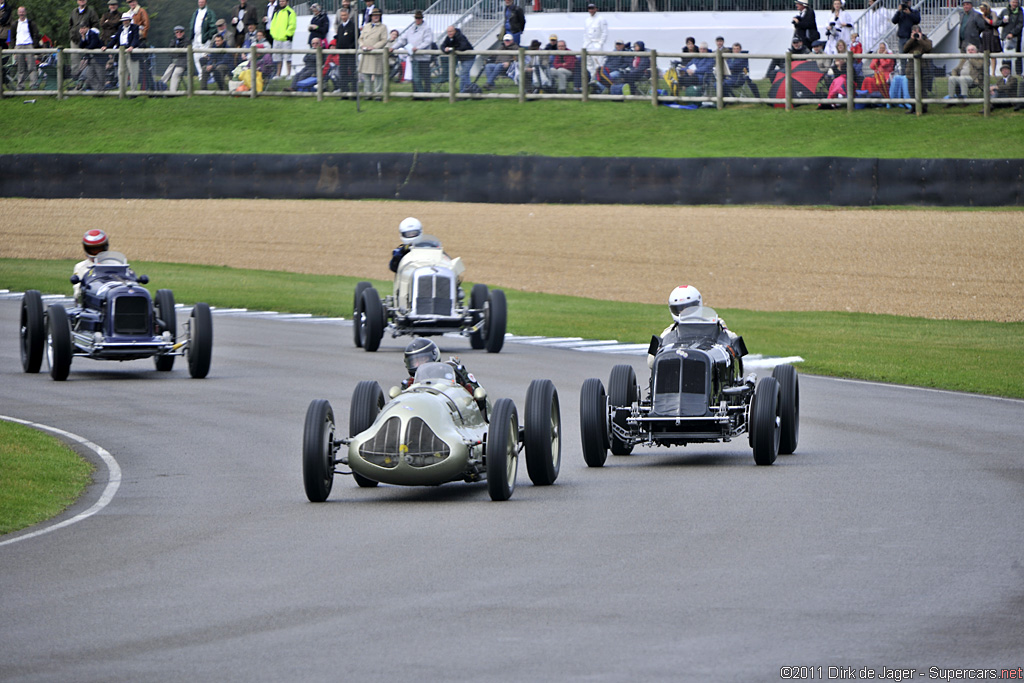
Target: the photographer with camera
pixel 906 17
pixel 804 24
pixel 920 44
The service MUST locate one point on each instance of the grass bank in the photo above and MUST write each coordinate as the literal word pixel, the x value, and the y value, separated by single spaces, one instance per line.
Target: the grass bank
pixel 972 356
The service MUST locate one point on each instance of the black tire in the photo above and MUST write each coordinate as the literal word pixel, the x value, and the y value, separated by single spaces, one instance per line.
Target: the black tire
pixel 764 421
pixel 622 392
pixel 594 422
pixel 373 320
pixel 58 342
pixel 164 306
pixel 33 331
pixel 200 343
pixel 789 408
pixel 357 313
pixel 318 451
pixel 497 319
pixel 502 450
pixel 477 301
pixel 543 432
pixel 367 400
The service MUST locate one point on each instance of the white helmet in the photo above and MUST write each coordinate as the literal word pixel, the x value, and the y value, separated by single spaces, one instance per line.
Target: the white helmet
pixel 683 301
pixel 410 229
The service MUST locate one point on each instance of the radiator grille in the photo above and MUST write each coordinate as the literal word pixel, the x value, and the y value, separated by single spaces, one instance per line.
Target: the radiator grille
pixel 433 295
pixel 382 449
pixel 424 446
pixel 131 315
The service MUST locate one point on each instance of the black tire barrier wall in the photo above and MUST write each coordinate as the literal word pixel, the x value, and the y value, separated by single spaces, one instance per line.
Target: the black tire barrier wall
pixel 518 180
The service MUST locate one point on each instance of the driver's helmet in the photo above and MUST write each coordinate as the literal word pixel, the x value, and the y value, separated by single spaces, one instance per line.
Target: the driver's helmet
pixel 95 241
pixel 683 302
pixel 418 352
pixel 410 229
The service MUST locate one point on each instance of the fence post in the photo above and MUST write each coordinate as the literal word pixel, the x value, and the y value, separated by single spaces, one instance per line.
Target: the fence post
pixel 60 73
pixel 986 106
pixel 789 81
pixel 122 73
pixel 190 72
pixel 918 87
pixel 719 104
pixel 851 82
pixel 319 73
pixel 654 78
pixel 521 65
pixel 584 76
pixel 252 72
pixel 451 76
pixel 1 74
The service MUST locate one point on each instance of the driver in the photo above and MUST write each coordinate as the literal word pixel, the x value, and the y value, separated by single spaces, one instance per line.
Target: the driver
pixel 410 229
pixel 94 242
pixel 420 351
pixel 685 304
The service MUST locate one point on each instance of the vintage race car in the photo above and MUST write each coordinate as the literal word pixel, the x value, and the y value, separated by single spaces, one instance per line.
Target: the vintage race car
pixel 432 433
pixel 427 300
pixel 697 394
pixel 116 320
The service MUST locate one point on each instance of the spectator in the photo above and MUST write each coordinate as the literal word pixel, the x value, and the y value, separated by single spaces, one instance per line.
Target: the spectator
pixel 81 15
pixel 968 71
pixel 89 69
pixel 128 38
pixel 371 66
pixel 739 73
pixel 971 25
pixel 7 19
pixel 919 44
pixel 839 28
pixel 874 23
pixel 778 65
pixel 201 30
pixel 319 25
pixel 243 16
pixel 537 69
pixel 176 69
pixel 498 65
pixel 110 22
pixel 222 30
pixel 595 35
pixel 265 64
pixel 308 66
pixel 345 39
pixel 367 11
pixel 639 68
pixel 218 64
pixel 515 21
pixel 140 17
pixel 282 29
pixel 905 18
pixel 691 45
pixel 720 44
pixel 456 41
pixel 564 68
pixel 552 43
pixel 24 35
pixel 818 48
pixel 267 18
pixel 1004 86
pixel 882 67
pixel 804 23
pixel 990 34
pixel 699 71
pixel 1013 25
pixel 416 39
pixel 249 37
pixel 615 65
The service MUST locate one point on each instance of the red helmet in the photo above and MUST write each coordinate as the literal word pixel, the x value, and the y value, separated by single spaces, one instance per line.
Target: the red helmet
pixel 95 241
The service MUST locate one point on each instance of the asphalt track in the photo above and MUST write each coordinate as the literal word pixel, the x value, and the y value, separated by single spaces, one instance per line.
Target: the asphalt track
pixel 892 538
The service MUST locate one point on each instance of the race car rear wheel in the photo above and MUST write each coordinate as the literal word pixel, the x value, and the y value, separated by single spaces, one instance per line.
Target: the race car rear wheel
pixel 497 318
pixel 33 331
pixel 372 320
pixel 200 343
pixel 477 301
pixel 789 407
pixel 594 422
pixel 166 314
pixel 318 451
pixel 502 450
pixel 764 421
pixel 543 432
pixel 367 400
pixel 622 392
pixel 58 342
pixel 357 313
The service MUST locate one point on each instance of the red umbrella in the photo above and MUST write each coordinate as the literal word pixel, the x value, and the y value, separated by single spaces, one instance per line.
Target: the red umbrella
pixel 805 81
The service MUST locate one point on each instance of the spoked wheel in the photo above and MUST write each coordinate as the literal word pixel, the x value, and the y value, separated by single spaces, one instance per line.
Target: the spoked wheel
pixel 318 451
pixel 765 421
pixel 372 320
pixel 543 432
pixel 168 316
pixel 502 450
pixel 200 343
pixel 477 301
pixel 58 342
pixel 357 313
pixel 594 422
pixel 622 391
pixel 789 407
pixel 33 331
pixel 497 319
pixel 367 400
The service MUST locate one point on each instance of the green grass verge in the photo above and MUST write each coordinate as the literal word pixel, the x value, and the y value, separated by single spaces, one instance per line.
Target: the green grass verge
pixel 973 356
pixel 39 476
pixel 205 125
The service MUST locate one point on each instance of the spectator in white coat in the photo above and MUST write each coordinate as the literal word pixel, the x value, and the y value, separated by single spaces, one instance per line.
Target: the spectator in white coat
pixel 595 35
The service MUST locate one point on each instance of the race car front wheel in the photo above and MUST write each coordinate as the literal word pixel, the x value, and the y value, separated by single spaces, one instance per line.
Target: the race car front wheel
pixel 789 408
pixel 543 432
pixel 502 450
pixel 200 343
pixel 372 320
pixel 357 313
pixel 33 331
pixel 765 421
pixel 622 393
pixel 594 422
pixel 367 400
pixel 169 318
pixel 58 342
pixel 317 451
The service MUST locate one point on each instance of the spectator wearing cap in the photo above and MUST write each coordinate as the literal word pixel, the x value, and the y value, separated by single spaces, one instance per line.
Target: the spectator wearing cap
pixel 128 38
pixel 241 17
pixel 81 15
pixel 595 35
pixel 140 17
pixel 416 39
pixel 515 21
pixel 616 64
pixel 282 30
pixel 720 44
pixel 176 69
pixel 1006 85
pixel 110 21
pixel 971 26
pixel 778 64
pixel 201 30
pixel 374 36
pixel 804 23
pixel 498 65
pixel 222 30
pixel 319 25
